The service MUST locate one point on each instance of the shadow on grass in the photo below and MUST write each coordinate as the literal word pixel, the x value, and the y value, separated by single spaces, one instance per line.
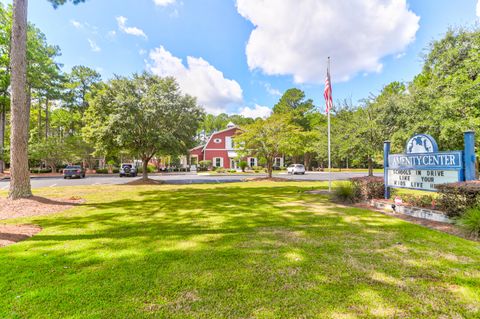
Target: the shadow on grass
pixel 235 251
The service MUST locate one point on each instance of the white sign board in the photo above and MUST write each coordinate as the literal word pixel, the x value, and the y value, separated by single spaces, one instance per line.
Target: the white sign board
pixel 421 179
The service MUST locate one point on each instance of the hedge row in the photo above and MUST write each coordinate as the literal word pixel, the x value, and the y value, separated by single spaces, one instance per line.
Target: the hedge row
pixel 367 187
pixel 456 198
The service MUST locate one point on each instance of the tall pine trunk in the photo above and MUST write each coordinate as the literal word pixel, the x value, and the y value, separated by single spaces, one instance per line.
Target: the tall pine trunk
pixel 370 166
pixel 39 120
pixel 46 119
pixel 20 177
pixel 3 125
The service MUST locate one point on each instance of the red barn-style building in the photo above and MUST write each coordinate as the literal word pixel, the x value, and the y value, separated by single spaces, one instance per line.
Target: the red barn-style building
pixel 221 150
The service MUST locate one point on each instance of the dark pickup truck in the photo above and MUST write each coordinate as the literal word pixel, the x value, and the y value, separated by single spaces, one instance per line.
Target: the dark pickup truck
pixel 73 171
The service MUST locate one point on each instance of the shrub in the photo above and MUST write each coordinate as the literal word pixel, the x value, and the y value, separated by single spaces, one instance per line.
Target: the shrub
pixel 243 165
pixel 150 169
pixel 470 221
pixel 220 170
pixel 257 171
pixel 101 171
pixel 368 187
pixel 205 164
pixel 232 171
pixel 257 168
pixel 345 192
pixel 115 170
pixel 423 201
pixel 40 170
pixel 456 198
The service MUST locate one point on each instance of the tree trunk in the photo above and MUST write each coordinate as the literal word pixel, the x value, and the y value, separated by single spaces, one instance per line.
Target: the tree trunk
pixel 370 166
pixel 52 166
pixel 46 119
pixel 39 120
pixel 307 159
pixel 145 169
pixel 20 175
pixel 3 124
pixel 269 168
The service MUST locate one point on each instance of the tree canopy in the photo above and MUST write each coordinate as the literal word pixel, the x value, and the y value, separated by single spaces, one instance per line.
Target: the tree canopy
pixel 145 115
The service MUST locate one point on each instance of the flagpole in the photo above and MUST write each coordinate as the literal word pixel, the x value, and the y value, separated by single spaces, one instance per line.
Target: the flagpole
pixel 329 157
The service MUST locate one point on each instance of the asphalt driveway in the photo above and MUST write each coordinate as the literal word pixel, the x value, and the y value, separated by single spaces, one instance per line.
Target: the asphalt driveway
pixel 180 178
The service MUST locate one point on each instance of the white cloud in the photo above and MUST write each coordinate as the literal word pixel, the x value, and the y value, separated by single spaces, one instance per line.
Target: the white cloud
pixel 294 37
pixel 164 3
pixel 256 111
pixel 122 25
pixel 478 9
pixel 94 46
pixel 76 24
pixel 111 34
pixel 199 78
pixel 142 52
pixel 271 90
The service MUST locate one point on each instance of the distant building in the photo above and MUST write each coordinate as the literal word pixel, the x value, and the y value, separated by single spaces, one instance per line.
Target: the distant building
pixel 220 149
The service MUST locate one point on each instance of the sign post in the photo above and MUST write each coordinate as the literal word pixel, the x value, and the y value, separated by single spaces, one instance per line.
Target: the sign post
pixel 469 145
pixel 386 152
pixel 423 167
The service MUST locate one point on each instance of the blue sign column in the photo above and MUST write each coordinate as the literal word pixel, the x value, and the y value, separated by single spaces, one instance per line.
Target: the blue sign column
pixel 386 152
pixel 469 144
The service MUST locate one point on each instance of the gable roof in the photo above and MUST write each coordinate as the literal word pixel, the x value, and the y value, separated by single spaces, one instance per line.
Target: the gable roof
pixel 222 131
pixel 197 147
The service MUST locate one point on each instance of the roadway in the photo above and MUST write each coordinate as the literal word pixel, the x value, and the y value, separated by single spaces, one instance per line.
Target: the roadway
pixel 38 182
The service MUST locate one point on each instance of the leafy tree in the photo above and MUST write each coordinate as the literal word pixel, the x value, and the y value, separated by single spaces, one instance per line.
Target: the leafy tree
pixel 5 33
pixel 293 102
pixel 145 115
pixel 212 123
pixel 269 138
pixel 57 3
pixel 54 151
pixel 81 81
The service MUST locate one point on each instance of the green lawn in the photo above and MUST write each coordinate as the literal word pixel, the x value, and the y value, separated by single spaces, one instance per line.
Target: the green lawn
pixel 245 250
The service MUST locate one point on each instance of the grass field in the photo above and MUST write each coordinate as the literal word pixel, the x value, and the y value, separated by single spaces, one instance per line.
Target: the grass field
pixel 245 250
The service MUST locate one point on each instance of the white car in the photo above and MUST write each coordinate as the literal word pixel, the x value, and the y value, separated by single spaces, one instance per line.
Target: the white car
pixel 296 169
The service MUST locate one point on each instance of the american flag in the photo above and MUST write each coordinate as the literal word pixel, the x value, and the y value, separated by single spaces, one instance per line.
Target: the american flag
pixel 327 93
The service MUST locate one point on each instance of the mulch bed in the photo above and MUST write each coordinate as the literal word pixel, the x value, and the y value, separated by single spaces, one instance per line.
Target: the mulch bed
pixel 33 206
pixel 149 181
pixel 319 192
pixel 11 234
pixel 262 179
pixel 443 227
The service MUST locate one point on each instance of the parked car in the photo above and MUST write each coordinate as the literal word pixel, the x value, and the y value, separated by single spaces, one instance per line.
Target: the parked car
pixel 296 169
pixel 128 169
pixel 73 171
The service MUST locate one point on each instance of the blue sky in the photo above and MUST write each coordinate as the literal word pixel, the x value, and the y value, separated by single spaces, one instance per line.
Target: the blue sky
pixel 238 56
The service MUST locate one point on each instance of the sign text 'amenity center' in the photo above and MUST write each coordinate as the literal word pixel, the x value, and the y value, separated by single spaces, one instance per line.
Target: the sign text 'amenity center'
pixel 424 167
